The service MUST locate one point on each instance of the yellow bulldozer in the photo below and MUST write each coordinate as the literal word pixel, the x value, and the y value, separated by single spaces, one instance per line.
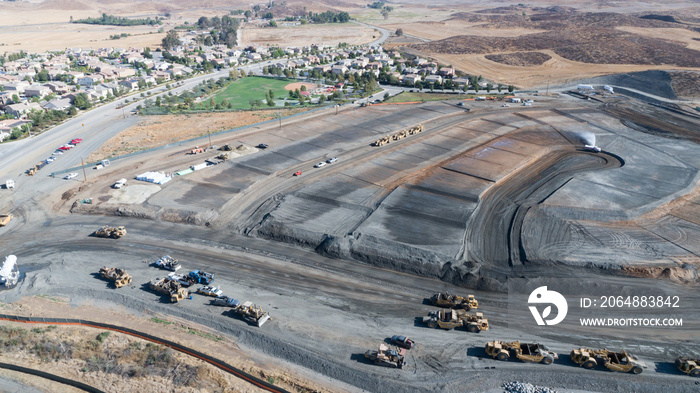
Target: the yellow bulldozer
pixel 119 276
pixel 113 232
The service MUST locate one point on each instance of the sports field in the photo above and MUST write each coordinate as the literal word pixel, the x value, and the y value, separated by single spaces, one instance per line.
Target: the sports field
pixel 240 92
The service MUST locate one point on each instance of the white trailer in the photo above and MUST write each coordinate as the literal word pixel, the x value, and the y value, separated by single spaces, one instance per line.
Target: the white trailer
pixel 586 87
pixel 198 166
pixel 9 273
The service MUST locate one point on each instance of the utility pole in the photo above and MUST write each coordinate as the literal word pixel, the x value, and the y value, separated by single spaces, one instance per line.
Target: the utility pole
pixel 279 115
pixel 84 174
pixel 547 88
pixel 209 133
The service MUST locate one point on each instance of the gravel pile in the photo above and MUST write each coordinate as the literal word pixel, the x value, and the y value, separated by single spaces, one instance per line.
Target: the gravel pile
pixel 522 387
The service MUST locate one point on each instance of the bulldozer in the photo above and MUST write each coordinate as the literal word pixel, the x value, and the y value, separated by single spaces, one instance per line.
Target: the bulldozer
pixel 226 147
pixel 387 357
pixel 113 232
pixel 251 313
pixel 450 319
pixel 613 361
pixel 223 156
pixel 170 288
pixel 32 171
pixel 690 366
pixel 445 299
pixel 119 276
pixel 534 352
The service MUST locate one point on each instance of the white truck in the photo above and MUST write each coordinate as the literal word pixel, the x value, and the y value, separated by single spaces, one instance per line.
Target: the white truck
pixel 9 184
pixel 119 184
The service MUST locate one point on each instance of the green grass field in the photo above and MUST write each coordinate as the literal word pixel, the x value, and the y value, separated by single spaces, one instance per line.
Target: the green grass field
pixel 240 92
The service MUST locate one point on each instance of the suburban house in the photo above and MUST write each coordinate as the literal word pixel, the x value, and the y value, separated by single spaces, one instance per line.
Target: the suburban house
pixel 435 79
pixel 323 68
pixel 447 71
pixel 131 84
pixel 37 91
pixel 90 80
pixel 60 104
pixel 411 78
pixel 59 87
pixel 339 69
pixel 19 110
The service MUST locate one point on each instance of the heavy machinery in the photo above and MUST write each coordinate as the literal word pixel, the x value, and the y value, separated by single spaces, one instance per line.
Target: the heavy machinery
pixel 201 277
pixel 31 171
pixel 534 352
pixel 445 299
pixel 690 366
pixel 168 263
pixel 196 150
pixel 118 275
pixel 226 147
pixel 170 288
pixel 5 219
pixel 222 156
pixel 450 319
pixel 387 357
pixel 614 361
pixel 382 141
pixel 251 313
pixel 113 232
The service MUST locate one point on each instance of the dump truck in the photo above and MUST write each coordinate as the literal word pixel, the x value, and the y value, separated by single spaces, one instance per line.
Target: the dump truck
pixel 5 219
pixel 688 365
pixel 614 361
pixel 201 277
pixel 382 141
pixel 449 319
pixel 534 352
pixel 251 313
pixel 445 299
pixel 113 232
pixel 222 156
pixel 170 288
pixel 387 357
pixel 168 263
pixel 119 276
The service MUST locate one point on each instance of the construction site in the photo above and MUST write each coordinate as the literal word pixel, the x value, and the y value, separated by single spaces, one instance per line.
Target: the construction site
pixel 446 197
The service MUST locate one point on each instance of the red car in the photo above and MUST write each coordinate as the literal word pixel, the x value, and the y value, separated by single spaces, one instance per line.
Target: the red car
pixel 297 173
pixel 64 148
pixel 76 141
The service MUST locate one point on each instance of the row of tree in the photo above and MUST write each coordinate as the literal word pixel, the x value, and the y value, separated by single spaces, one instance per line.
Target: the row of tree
pixel 118 21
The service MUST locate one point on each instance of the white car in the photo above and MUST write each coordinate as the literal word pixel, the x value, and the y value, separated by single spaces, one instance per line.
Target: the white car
pixel 332 160
pixel 58 152
pixel 210 290
pixel 320 164
pixel 71 176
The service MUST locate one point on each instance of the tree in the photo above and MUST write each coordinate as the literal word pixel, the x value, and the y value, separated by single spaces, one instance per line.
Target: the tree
pixel 15 98
pixel 385 13
pixel 321 99
pixel 248 14
pixel 386 96
pixel 399 32
pixel 81 101
pixel 510 88
pixel 243 74
pixel 158 101
pixel 489 87
pixel 500 87
pixel 271 93
pixel 171 40
pixel 303 87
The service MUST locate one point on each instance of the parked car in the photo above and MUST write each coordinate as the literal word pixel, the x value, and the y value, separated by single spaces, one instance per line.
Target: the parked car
pixel 70 176
pixel 297 173
pixel 320 164
pixel 402 341
pixel 262 146
pixel 210 290
pixel 332 160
